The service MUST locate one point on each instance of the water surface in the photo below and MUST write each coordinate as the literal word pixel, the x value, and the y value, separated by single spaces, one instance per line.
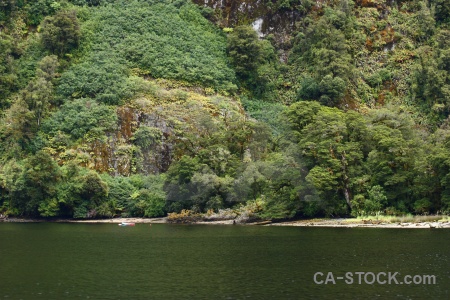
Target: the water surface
pixel 105 261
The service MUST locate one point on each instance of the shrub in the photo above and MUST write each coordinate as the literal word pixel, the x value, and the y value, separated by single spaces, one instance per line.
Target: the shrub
pixel 185 216
pixel 79 117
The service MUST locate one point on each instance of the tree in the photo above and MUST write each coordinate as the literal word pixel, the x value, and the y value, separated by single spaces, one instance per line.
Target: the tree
pixel 431 186
pixel 8 76
pixel 39 93
pixel 94 188
pixel 209 191
pixel 35 187
pixel 83 193
pixel 61 32
pixel 392 160
pixel 254 60
pixel 442 10
pixel 30 107
pixel 374 205
pixel 430 84
pixel 331 89
pixel 322 53
pixel 244 50
pixel 423 24
pixel 47 68
pixel 16 129
pixel 38 9
pixel 330 142
pixel 177 185
pixel 146 203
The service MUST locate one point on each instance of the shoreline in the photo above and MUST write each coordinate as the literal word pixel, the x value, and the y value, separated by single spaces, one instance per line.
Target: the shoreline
pixel 325 223
pixel 351 223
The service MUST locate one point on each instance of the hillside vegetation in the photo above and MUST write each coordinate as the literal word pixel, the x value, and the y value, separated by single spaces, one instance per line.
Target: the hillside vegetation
pixel 143 108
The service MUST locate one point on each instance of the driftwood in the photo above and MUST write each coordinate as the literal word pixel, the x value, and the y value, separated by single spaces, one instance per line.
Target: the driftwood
pixel 262 223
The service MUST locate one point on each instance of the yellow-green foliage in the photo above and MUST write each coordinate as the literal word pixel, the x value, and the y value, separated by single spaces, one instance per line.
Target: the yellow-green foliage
pixel 405 218
pixel 185 216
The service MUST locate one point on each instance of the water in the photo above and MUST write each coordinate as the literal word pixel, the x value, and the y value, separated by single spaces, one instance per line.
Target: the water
pixel 105 261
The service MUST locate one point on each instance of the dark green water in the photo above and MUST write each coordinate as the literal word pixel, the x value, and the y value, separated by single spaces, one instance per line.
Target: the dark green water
pixel 105 261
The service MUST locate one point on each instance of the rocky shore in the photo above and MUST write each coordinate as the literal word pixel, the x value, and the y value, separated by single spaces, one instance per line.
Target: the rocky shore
pixel 352 223
pixel 336 223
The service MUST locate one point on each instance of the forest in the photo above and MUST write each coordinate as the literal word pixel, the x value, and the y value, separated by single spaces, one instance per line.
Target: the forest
pixel 152 108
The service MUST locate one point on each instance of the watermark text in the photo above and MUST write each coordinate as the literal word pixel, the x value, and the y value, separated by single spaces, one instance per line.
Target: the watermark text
pixel 373 278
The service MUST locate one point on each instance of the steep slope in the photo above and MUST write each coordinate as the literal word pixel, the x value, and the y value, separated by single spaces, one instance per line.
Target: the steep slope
pixel 273 109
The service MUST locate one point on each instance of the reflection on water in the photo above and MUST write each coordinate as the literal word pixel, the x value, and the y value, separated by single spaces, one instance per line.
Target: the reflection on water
pixel 105 261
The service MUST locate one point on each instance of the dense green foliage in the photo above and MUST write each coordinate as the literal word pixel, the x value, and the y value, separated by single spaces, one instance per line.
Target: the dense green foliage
pixel 142 108
pixel 61 33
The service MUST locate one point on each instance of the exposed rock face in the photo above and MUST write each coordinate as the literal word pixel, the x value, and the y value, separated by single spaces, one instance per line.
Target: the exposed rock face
pixel 265 19
pixel 282 20
pixel 154 130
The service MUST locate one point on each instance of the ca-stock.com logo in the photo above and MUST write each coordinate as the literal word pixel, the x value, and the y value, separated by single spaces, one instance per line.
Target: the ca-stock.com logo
pixel 373 278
